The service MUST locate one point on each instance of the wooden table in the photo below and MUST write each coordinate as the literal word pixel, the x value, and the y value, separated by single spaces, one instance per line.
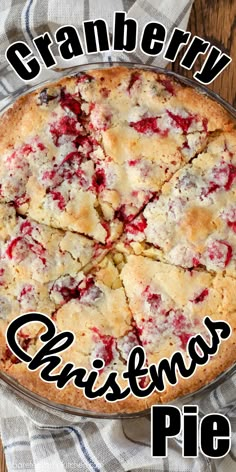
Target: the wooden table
pixel 215 21
pixel 2 460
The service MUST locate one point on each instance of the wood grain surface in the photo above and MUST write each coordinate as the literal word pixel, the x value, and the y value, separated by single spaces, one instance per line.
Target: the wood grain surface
pixel 215 21
pixel 2 460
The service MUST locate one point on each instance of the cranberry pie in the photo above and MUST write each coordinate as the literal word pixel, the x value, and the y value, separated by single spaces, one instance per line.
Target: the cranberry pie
pixel 118 220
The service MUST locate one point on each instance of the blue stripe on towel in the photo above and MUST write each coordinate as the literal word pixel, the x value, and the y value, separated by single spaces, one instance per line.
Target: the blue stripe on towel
pixel 83 448
pixel 27 22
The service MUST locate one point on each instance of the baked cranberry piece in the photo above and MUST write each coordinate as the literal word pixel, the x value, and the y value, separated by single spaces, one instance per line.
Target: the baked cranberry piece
pixel 58 197
pixel 19 201
pixel 22 249
pixel 223 177
pixel 65 126
pixel 182 328
pixel 168 85
pixel 68 102
pixel 122 215
pixel 136 226
pixel 153 299
pixel 232 225
pixel 99 180
pixel 81 77
pixel 133 162
pixel 201 297
pixel 26 291
pixel 148 126
pixel 106 346
pixel 85 291
pixel 68 291
pixel 220 253
pixel 89 291
pixel 135 76
pixel 19 248
pixel 26 228
pixel 229 215
pixel 196 262
pixel 181 122
pixel 72 156
pixel 184 337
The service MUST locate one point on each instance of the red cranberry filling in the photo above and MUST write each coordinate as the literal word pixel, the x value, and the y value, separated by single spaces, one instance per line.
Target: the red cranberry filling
pixel 133 162
pixel 65 126
pixel 106 226
pixel 182 122
pixel 148 126
pixel 70 292
pixel 99 180
pixel 220 252
pixel 184 337
pixel 12 246
pixel 58 197
pixel 231 176
pixel 121 214
pixel 108 345
pixel 26 228
pixel 196 262
pixel 74 155
pixel 181 328
pixel 167 84
pixel 89 292
pixel 24 292
pixel 18 201
pixel 68 102
pixel 232 225
pixel 81 77
pixel 201 296
pixel 153 299
pixel 137 226
pixel 224 176
pixel 86 291
pixel 134 78
pixel 20 246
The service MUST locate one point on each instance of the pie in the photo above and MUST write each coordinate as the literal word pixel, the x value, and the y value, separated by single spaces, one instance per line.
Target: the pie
pixel 118 221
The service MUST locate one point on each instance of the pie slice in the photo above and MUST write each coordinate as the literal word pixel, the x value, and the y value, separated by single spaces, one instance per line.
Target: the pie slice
pixel 169 304
pixel 37 251
pixel 94 307
pixel 49 173
pixel 19 295
pixel 192 222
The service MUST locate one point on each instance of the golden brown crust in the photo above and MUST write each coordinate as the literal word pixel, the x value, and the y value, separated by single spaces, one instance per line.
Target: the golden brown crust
pixel 79 161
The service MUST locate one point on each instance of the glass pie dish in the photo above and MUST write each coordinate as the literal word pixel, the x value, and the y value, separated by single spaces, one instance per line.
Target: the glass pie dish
pixel 10 92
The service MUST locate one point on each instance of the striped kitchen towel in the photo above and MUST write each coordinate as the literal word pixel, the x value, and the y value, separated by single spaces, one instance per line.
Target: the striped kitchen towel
pixel 39 440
